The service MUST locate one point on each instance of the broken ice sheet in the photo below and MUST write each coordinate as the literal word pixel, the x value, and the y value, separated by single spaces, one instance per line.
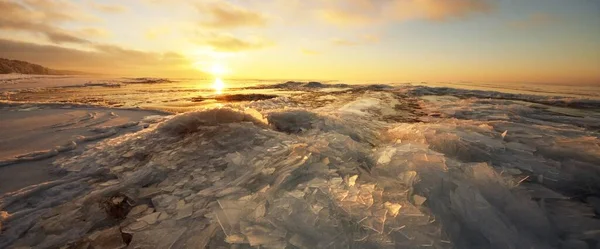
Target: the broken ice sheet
pixel 416 179
pixel 352 180
pixel 156 238
pixel 393 208
pixel 229 213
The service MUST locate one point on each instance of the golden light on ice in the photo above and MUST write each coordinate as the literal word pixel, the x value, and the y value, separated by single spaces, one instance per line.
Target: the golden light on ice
pixel 218 85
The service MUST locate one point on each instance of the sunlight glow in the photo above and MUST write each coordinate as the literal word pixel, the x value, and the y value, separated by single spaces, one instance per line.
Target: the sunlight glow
pixel 218 69
pixel 218 85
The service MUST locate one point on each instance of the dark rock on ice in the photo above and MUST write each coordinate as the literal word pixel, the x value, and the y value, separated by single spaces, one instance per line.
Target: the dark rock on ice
pixel 292 121
pixel 244 97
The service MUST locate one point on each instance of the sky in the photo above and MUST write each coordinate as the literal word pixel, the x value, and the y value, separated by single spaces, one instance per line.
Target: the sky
pixel 542 41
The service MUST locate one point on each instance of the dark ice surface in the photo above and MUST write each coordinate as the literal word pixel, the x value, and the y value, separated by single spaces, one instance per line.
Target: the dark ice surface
pixel 367 167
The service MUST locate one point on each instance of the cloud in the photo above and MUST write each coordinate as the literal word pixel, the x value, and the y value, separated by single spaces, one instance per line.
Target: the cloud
pixel 359 12
pixel 534 21
pixel 108 8
pixel 39 17
pixel 309 51
pixel 230 43
pixel 342 17
pixel 58 36
pixel 343 42
pixel 156 32
pixel 55 11
pixel 226 15
pixel 362 40
pixel 439 10
pixel 95 32
pixel 106 59
pixel 370 38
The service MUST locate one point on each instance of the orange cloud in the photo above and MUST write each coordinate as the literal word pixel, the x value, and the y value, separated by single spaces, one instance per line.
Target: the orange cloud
pixel 106 59
pixel 343 17
pixel 39 17
pixel 351 12
pixel 226 15
pixel 108 8
pixel 230 43
pixel 95 32
pixel 439 10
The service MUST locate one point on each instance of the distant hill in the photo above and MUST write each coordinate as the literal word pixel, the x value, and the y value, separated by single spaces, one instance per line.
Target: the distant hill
pixel 15 66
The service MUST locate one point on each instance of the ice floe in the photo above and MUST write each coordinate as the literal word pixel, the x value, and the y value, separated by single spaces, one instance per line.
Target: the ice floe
pixel 465 170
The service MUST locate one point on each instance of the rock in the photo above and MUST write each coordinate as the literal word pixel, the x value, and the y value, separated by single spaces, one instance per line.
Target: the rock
pixel 205 192
pixel 117 206
pixel 300 242
pixel 183 193
pixel 260 211
pixel 108 183
pixel 148 192
pixel 352 180
pixel 235 239
pixel 296 194
pixel 163 216
pixel 180 204
pixel 200 213
pixel 228 191
pixel 148 211
pixel 595 203
pixel 137 210
pixel 393 208
pixel 3 216
pixel 419 200
pixel 202 239
pixel 168 189
pixel 156 238
pixel 165 202
pixel 574 244
pixel 110 238
pixel 117 169
pixel 181 183
pixel 185 211
pixel 513 171
pixel 117 200
pixel 151 218
pixel 189 198
pixel 136 226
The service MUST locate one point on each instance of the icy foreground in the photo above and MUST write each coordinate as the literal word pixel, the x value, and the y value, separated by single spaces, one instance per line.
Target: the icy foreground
pixel 374 167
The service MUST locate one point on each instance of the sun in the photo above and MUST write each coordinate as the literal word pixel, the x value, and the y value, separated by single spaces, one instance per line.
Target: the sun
pixel 218 85
pixel 218 69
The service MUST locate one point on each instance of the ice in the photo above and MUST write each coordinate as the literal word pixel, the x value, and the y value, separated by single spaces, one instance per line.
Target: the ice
pixel 295 85
pixel 360 107
pixel 158 238
pixel 485 173
pixel 292 121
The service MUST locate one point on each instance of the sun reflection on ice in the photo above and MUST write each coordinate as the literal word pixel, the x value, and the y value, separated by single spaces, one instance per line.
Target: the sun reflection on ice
pixel 218 85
